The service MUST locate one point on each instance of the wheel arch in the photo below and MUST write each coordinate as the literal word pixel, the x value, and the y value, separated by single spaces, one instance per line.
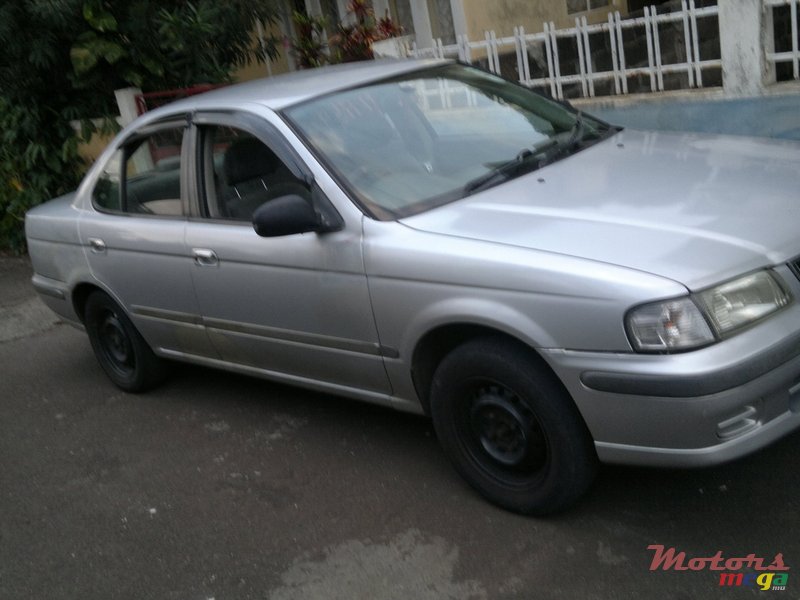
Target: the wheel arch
pixel 80 294
pixel 439 341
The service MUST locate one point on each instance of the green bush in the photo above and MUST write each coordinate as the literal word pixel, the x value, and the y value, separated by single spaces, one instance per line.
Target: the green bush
pixel 38 160
pixel 63 59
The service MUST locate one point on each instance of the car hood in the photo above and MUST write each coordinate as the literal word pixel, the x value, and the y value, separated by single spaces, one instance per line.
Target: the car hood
pixel 697 209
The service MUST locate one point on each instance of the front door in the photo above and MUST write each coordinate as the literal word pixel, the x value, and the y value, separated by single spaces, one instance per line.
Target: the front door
pixel 295 307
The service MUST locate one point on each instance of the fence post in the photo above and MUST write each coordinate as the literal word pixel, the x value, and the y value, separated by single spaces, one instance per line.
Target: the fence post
pixel 459 17
pixel 769 44
pixel 687 37
pixel 621 53
pixel 743 33
pixel 581 57
pixel 612 40
pixel 648 29
pixel 464 51
pixel 126 101
pixel 422 23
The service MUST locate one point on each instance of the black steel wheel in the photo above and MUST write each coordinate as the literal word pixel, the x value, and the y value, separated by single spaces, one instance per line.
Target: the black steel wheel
pixel 119 347
pixel 510 428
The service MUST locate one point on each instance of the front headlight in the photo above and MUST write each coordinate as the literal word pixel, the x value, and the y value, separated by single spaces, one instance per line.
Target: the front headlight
pixel 680 324
pixel 743 301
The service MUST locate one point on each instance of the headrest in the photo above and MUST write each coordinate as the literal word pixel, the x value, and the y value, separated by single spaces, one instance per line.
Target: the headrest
pixel 247 159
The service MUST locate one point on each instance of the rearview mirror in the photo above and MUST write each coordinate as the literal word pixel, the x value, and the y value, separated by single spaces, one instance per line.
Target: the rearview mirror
pixel 285 215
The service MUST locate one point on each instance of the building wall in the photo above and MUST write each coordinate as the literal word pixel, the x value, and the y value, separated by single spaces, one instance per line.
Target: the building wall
pixel 257 70
pixel 281 64
pixel 501 16
pixel 91 150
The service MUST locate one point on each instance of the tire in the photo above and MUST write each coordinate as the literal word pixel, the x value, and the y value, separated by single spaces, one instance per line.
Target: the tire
pixel 510 428
pixel 119 347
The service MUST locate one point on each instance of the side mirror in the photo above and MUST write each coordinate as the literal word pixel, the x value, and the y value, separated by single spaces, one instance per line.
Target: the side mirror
pixel 285 215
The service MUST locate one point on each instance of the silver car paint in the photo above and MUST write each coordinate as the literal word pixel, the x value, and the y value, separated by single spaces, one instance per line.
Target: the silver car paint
pixel 304 309
pixel 297 305
pixel 555 263
pixel 714 208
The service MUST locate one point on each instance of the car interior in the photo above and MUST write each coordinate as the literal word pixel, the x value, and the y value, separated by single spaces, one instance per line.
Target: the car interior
pixel 243 174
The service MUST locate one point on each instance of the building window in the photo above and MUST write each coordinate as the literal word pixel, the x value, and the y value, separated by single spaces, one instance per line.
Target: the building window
pixel 577 6
pixel 441 15
pixel 401 12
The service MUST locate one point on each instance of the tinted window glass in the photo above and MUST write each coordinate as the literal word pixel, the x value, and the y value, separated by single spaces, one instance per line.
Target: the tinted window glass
pixel 241 173
pixel 413 142
pixel 106 194
pixel 152 177
pixel 153 174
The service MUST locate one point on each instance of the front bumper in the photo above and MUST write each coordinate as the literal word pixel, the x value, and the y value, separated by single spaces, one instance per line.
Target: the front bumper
pixel 698 408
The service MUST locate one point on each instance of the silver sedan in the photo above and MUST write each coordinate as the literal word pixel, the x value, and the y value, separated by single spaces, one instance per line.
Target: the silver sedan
pixel 552 290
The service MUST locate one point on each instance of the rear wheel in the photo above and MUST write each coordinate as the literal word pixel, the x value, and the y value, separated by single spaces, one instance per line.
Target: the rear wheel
pixel 510 428
pixel 119 347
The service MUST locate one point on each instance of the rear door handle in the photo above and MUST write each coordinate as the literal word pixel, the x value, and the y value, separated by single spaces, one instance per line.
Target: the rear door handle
pixel 97 245
pixel 205 257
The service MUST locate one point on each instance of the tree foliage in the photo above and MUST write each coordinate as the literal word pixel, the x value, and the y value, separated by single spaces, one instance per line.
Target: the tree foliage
pixel 62 60
pixel 309 48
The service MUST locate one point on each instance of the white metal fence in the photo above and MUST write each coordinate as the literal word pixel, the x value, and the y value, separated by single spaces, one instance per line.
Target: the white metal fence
pixel 650 53
pixel 785 51
pixel 614 39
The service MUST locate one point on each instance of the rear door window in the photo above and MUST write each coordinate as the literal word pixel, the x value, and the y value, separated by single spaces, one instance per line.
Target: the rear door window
pixel 144 176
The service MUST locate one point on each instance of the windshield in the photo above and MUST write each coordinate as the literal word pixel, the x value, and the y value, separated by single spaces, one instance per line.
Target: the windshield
pixel 410 143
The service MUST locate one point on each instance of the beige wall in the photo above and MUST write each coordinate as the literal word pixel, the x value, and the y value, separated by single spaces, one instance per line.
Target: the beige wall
pixel 502 16
pixel 91 150
pixel 258 70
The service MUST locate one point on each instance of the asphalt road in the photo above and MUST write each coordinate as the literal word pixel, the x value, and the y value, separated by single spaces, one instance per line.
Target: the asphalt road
pixel 220 486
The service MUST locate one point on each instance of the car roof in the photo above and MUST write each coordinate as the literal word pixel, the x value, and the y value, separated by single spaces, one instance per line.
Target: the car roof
pixel 284 90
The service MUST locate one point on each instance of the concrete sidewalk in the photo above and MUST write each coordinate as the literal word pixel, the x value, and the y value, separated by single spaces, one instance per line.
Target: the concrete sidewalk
pixel 21 311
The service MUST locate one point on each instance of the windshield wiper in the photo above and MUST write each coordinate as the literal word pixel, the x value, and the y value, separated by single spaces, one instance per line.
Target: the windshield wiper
pixel 576 137
pixel 544 153
pixel 500 173
pixel 518 165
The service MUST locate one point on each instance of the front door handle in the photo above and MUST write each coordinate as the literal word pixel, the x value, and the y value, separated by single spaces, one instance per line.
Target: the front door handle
pixel 97 245
pixel 205 257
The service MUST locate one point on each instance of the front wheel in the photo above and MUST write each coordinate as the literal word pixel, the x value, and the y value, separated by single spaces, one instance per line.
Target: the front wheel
pixel 120 349
pixel 510 429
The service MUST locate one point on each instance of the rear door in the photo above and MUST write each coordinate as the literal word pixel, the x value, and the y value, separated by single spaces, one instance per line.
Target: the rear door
pixel 133 235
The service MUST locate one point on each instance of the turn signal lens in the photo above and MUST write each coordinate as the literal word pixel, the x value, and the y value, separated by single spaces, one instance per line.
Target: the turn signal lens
pixel 671 325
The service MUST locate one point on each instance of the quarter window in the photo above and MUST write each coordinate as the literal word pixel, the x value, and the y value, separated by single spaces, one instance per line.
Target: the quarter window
pixel 144 176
